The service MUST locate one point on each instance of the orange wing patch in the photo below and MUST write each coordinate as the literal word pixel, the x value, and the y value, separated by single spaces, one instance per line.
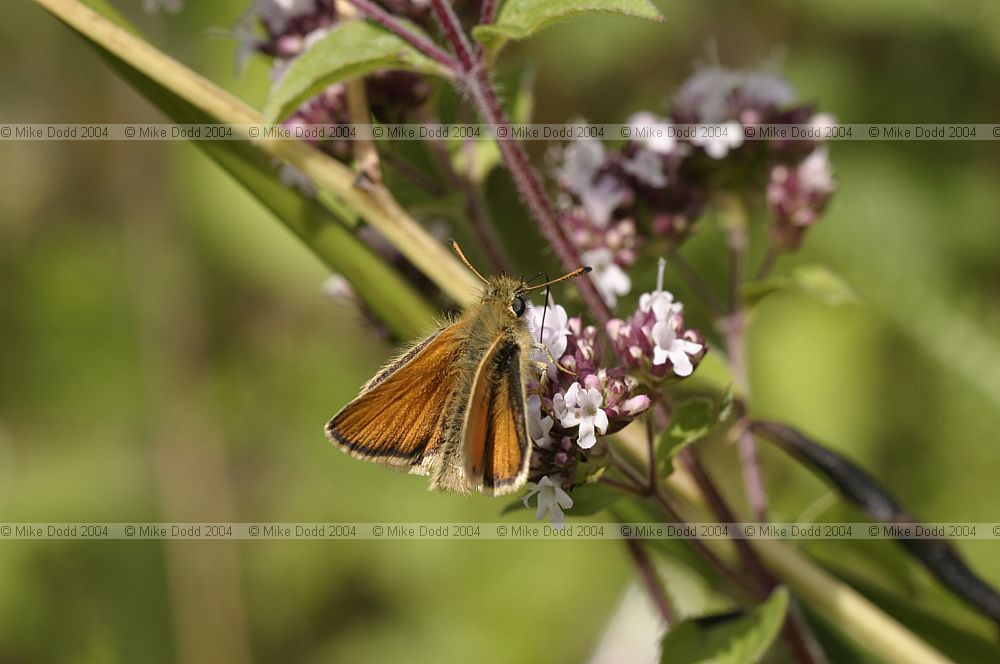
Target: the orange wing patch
pixel 496 440
pixel 398 418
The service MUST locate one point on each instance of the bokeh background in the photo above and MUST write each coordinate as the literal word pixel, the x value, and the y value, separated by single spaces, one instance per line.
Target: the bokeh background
pixel 166 354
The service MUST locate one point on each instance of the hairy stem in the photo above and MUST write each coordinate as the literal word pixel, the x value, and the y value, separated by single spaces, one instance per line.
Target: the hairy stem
pixel 475 80
pixel 734 221
pixel 417 41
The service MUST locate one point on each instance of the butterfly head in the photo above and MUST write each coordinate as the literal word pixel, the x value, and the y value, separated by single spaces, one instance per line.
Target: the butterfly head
pixel 509 292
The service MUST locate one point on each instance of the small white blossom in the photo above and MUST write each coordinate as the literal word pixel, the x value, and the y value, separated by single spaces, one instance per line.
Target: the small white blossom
pixel 816 174
pixel 660 302
pixel 646 167
pixel 670 346
pixel 551 500
pixel 170 6
pixel 602 199
pixel 295 179
pixel 653 132
pixel 718 139
pixel 610 279
pixel 552 336
pixel 539 427
pixel 336 287
pixel 580 162
pixel 277 13
pixel 581 407
pixel 823 122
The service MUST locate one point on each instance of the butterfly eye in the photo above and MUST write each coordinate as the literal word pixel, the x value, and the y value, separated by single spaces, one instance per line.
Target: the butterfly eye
pixel 517 306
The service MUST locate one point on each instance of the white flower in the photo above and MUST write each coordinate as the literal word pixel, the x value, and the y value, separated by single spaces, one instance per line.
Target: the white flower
pixel 551 499
pixel 670 346
pixel 581 407
pixel 652 132
pixel 336 287
pixel 581 160
pixel 295 179
pixel 610 279
pixel 718 139
pixel 646 167
pixel 823 122
pixel 171 6
pixel 602 199
pixel 277 13
pixel 661 303
pixel 816 174
pixel 552 336
pixel 538 426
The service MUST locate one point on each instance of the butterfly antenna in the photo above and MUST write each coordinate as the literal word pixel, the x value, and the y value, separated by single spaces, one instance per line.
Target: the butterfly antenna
pixel 458 251
pixel 575 273
pixel 545 310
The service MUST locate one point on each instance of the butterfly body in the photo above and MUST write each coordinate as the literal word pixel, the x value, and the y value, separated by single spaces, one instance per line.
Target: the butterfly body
pixel 453 406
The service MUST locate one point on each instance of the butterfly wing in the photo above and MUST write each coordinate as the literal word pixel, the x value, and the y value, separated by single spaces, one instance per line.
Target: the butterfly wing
pixel 398 418
pixel 496 444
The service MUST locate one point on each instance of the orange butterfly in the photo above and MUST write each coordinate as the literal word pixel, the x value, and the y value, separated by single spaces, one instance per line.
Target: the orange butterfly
pixel 454 405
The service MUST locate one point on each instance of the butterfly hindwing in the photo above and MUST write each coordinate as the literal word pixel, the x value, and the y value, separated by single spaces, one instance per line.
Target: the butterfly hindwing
pixel 398 419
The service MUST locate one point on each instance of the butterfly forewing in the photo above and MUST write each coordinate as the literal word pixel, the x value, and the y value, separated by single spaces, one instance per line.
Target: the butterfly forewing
pixel 496 439
pixel 399 417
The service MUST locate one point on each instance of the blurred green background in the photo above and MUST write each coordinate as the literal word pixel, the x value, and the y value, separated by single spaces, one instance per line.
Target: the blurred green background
pixel 167 355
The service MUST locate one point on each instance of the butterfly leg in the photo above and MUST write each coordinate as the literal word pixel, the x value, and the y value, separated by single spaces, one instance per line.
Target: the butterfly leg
pixel 553 360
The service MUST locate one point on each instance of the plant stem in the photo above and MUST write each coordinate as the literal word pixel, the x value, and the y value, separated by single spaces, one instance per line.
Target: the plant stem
pixel 651 580
pixel 701 289
pixel 479 217
pixel 767 264
pixel 486 17
pixel 366 159
pixel 475 80
pixel 732 213
pixel 417 41
pixel 724 514
pixel 653 481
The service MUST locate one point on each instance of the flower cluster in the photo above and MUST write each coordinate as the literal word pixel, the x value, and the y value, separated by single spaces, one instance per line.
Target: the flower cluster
pixel 658 184
pixel 284 29
pixel 583 396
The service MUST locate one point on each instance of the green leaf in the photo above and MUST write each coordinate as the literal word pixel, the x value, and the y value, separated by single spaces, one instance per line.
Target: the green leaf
pixel 520 19
pixel 384 290
pixel 725 640
pixel 816 281
pixel 592 498
pixel 690 421
pixel 350 50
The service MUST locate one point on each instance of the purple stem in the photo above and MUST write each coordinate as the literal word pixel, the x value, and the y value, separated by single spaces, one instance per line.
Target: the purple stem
pixel 651 580
pixel 529 185
pixel 486 17
pixel 489 12
pixel 418 41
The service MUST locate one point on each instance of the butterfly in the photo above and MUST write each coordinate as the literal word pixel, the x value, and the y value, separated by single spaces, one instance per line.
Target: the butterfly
pixel 454 406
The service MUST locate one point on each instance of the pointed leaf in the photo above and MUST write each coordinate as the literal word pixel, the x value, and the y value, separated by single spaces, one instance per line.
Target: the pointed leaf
pixel 863 490
pixel 349 50
pixel 727 639
pixel 690 421
pixel 816 281
pixel 391 298
pixel 520 19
